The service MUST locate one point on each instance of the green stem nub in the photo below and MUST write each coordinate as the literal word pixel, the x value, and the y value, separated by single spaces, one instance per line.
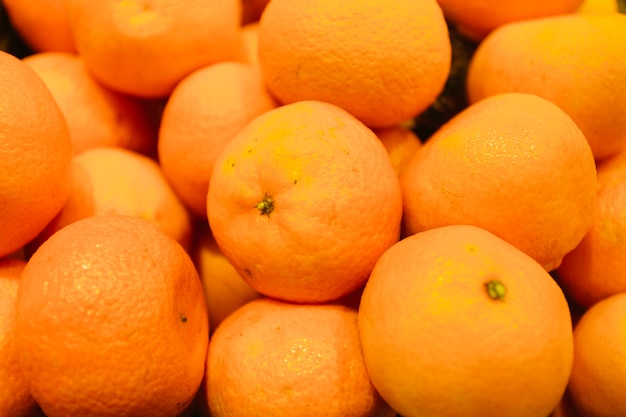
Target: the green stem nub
pixel 266 206
pixel 495 289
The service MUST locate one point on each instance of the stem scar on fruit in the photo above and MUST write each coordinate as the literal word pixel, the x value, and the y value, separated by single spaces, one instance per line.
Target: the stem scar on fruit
pixel 266 206
pixel 496 290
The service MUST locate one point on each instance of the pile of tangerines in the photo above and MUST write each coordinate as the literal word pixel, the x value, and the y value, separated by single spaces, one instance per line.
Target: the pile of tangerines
pixel 222 208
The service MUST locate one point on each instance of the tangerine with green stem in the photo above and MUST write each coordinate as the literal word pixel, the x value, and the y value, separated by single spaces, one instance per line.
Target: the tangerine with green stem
pixel 455 321
pixel 303 201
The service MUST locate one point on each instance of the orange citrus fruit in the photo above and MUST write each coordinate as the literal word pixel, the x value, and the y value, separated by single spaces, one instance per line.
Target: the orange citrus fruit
pixel 598 6
pixel 145 48
pixel 401 143
pixel 95 115
pixel 477 18
pixel 42 24
pixel 204 112
pixel 596 268
pixel 111 320
pixel 548 56
pixel 597 382
pixel 113 180
pixel 494 166
pixel 303 201
pixel 15 397
pixel 250 42
pixel 224 288
pixel 35 155
pixel 275 358
pixel 382 61
pixel 455 321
